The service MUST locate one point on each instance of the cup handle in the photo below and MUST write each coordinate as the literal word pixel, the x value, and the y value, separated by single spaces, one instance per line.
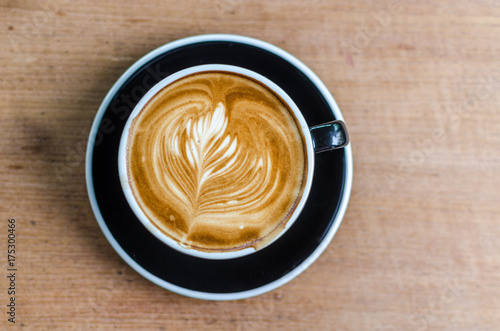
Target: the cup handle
pixel 328 136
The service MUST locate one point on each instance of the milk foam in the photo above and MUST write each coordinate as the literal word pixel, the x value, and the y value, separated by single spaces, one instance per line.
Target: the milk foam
pixel 216 161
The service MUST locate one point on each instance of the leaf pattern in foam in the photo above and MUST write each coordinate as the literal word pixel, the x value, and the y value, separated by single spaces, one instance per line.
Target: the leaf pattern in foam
pixel 202 154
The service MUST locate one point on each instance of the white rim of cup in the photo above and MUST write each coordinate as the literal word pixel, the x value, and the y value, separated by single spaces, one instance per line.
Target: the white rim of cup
pixel 344 200
pixel 122 158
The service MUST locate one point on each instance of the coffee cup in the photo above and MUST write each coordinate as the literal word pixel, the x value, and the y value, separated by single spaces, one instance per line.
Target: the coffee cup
pixel 217 161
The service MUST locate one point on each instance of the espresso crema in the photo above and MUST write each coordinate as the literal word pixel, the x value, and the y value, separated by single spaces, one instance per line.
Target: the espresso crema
pixel 217 162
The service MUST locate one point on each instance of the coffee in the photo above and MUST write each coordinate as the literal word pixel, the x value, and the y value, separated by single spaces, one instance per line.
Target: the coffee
pixel 217 161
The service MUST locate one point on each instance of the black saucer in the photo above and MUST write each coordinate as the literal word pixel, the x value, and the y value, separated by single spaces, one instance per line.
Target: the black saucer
pixel 214 279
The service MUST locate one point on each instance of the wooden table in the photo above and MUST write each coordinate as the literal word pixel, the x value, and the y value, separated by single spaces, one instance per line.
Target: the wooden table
pixel 419 87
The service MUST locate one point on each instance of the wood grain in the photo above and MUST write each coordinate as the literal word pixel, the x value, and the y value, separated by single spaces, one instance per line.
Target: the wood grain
pixel 419 87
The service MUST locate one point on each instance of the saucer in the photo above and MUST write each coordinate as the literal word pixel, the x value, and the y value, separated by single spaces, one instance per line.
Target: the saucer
pixel 241 277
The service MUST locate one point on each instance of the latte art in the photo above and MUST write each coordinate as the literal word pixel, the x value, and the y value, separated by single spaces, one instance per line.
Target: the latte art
pixel 194 160
pixel 216 162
